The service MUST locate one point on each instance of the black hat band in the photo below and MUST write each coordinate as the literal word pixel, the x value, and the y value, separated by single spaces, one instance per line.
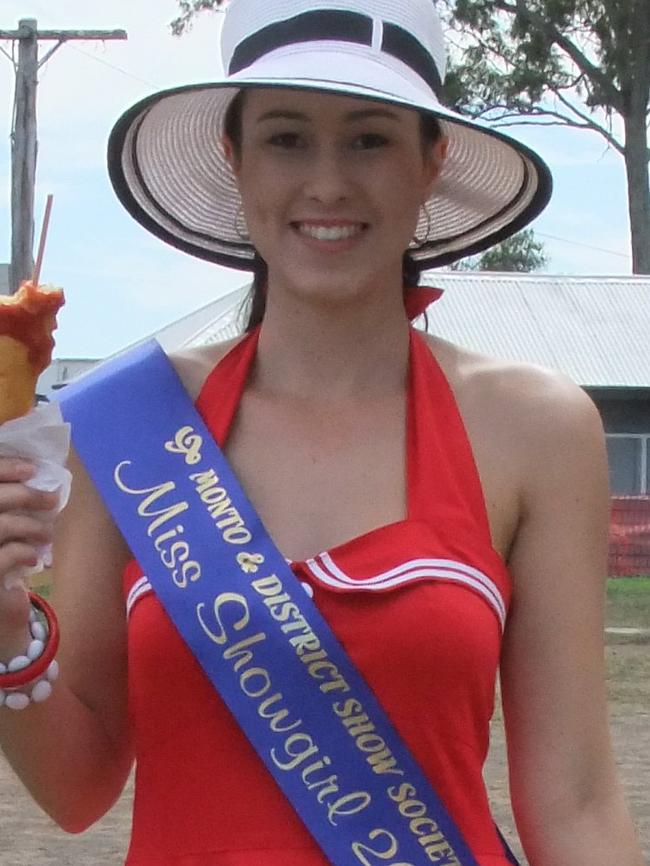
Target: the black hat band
pixel 338 26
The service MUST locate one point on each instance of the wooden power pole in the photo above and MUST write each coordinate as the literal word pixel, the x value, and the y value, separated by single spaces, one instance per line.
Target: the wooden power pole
pixel 24 137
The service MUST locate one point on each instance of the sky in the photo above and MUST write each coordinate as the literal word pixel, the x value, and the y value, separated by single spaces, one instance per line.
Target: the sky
pixel 121 283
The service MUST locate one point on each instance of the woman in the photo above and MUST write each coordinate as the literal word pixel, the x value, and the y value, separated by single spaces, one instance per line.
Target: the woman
pixel 409 482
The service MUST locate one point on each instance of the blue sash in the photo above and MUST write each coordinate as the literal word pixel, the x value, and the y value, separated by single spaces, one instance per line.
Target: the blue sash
pixel 260 639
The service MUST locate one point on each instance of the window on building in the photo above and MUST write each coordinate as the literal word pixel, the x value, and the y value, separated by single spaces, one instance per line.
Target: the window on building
pixel 629 464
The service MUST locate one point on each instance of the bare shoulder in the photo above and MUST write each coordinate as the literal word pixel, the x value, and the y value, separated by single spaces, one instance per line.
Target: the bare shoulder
pixel 194 365
pixel 536 436
pixel 537 406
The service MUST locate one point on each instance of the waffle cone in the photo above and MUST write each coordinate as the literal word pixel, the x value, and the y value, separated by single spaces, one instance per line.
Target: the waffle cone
pixel 17 379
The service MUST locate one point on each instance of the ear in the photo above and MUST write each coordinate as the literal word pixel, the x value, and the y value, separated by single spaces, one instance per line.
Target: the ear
pixel 435 164
pixel 229 151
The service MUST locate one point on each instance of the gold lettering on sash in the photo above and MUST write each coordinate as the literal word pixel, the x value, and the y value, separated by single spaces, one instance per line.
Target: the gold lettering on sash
pixel 178 552
pixel 229 614
pixel 344 708
pixel 261 675
pixel 250 562
pixel 384 763
pixel 359 725
pixel 176 556
pixel 413 809
pixel 330 787
pixel 227 518
pixel 442 852
pixel 151 494
pixel 203 480
pixel 304 642
pixel 401 792
pixel 188 443
pixel 167 536
pixel 278 716
pixel 432 837
pixel 382 853
pixel 217 498
pixel 348 804
pixel 314 768
pixel 297 754
pixel 268 586
pixel 436 847
pixel 308 647
pixel 297 751
pixel 224 598
pixel 416 824
pixel 241 652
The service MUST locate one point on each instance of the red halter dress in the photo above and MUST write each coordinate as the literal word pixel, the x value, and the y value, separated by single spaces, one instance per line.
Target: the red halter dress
pixel 419 605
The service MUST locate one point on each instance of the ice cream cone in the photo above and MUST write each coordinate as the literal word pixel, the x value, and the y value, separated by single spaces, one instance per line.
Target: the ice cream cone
pixel 27 320
pixel 17 379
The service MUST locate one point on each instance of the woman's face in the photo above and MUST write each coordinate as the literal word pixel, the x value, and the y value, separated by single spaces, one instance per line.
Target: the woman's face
pixel 331 186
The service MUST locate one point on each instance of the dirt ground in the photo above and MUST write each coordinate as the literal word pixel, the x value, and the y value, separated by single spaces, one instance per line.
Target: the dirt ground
pixel 28 838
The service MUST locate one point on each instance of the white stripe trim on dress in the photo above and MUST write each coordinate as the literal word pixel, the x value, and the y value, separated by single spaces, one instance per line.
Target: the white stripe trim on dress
pixel 140 587
pixel 416 569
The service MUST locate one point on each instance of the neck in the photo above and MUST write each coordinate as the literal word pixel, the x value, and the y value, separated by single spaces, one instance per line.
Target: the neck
pixel 317 351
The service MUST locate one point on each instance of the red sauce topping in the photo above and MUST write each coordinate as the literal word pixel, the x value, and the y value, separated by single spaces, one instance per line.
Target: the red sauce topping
pixel 30 317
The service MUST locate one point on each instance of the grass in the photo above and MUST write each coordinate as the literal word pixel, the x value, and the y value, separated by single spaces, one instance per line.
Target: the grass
pixel 628 602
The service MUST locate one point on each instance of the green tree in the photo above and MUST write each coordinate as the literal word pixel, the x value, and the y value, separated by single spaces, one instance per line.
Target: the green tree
pixel 521 253
pixel 188 9
pixel 579 63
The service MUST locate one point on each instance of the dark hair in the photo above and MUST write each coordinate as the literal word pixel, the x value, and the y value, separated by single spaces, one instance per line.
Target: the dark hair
pixel 255 303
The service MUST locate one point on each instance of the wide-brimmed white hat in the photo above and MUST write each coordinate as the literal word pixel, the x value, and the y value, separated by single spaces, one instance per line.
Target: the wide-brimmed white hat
pixel 170 172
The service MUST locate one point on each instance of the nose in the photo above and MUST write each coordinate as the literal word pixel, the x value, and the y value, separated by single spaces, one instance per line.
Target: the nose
pixel 328 179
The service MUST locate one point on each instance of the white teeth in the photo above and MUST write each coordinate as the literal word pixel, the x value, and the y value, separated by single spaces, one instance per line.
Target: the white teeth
pixel 329 233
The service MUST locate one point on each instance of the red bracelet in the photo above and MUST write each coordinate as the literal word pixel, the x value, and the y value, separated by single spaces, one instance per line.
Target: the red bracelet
pixel 37 668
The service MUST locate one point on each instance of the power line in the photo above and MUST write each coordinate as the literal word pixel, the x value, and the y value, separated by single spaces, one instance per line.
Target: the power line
pixel 581 244
pixel 140 80
pixel 115 68
pixel 24 136
pixel 46 17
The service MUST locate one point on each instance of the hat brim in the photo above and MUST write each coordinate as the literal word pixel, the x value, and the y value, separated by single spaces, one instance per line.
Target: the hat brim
pixel 169 170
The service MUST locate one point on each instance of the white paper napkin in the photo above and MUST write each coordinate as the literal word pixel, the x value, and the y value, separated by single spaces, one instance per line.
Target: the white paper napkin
pixel 43 438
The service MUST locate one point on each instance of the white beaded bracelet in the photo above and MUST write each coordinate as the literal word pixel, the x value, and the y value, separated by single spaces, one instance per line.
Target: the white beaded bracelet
pixel 28 678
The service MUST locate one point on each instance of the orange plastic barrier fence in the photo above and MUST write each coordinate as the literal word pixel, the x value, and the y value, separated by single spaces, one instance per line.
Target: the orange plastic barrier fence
pixel 629 536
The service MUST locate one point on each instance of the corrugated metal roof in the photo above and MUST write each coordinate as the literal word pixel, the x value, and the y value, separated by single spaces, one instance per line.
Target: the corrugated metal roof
pixel 594 329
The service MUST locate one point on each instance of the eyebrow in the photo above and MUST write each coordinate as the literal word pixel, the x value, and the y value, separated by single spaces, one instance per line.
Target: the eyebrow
pixel 361 114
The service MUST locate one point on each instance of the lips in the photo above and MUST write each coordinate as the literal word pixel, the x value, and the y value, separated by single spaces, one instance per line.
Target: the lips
pixel 329 231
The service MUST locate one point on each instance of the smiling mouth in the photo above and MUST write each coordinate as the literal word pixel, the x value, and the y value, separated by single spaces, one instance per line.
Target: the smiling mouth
pixel 329 232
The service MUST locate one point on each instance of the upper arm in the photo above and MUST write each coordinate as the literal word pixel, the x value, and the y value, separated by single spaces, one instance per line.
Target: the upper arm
pixel 90 555
pixel 89 558
pixel 552 666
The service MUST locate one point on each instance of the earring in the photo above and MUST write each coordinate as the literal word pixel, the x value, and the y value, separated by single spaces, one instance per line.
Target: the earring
pixel 418 242
pixel 241 228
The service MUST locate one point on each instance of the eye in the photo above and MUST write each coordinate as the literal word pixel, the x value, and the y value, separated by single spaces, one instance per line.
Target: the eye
pixel 370 141
pixel 286 140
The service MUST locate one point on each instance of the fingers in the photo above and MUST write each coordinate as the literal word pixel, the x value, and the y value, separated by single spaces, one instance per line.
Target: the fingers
pixel 16 496
pixel 16 469
pixel 25 524
pixel 22 527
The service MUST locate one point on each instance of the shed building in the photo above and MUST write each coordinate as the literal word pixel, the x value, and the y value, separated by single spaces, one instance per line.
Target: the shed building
pixel 596 330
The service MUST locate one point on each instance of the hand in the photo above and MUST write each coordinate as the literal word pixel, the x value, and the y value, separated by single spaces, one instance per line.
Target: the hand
pixel 25 525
